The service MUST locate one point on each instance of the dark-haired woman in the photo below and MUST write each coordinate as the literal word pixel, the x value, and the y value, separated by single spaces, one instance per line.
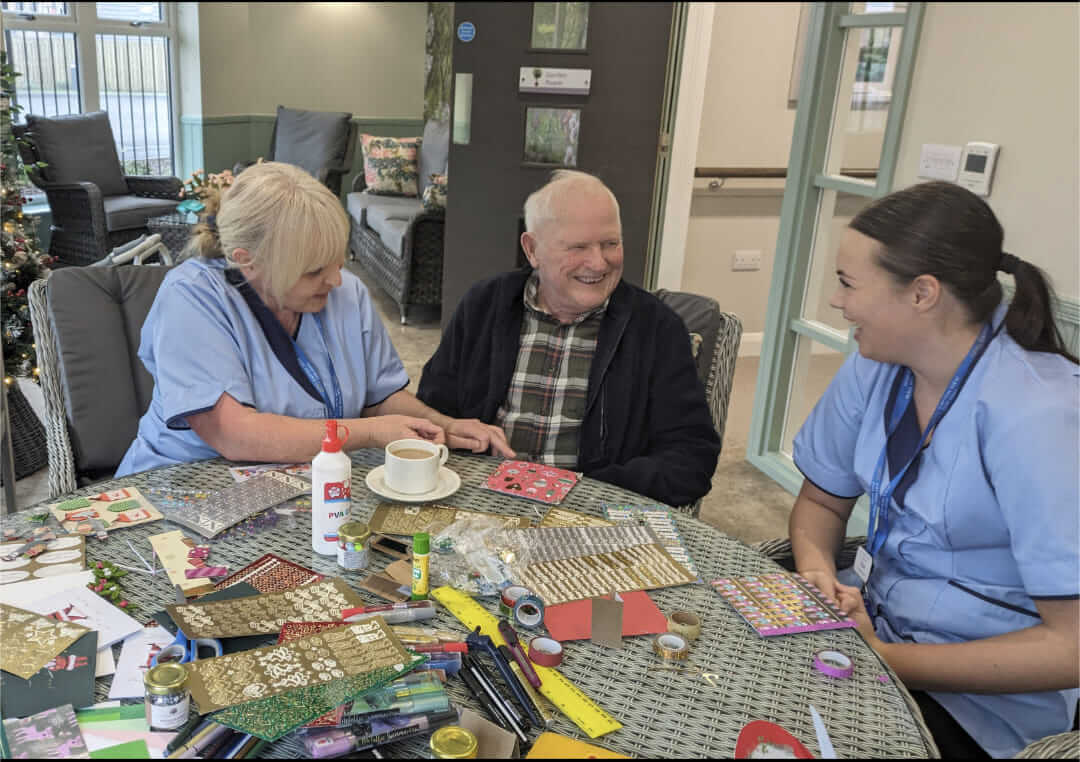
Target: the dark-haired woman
pixel 959 417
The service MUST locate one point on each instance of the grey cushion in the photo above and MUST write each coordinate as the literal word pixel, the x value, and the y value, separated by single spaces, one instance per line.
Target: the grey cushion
pixel 311 139
pixel 392 233
pixel 396 207
pixel 434 152
pixel 97 315
pixel 78 148
pixel 702 316
pixel 129 212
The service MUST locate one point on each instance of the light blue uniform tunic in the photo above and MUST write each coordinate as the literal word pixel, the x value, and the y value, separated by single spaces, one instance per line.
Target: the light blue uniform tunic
pixel 989 523
pixel 201 340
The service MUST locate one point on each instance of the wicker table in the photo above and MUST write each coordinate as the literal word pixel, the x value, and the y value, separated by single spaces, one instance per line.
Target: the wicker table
pixel 175 229
pixel 665 714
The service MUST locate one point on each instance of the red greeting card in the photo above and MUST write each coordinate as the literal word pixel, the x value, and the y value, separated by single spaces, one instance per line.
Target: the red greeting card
pixel 532 481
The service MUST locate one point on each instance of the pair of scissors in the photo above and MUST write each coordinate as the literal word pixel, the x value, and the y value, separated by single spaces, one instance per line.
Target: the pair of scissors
pixel 184 649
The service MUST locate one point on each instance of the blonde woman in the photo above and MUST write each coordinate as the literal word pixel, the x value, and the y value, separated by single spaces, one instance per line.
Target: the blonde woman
pixel 260 336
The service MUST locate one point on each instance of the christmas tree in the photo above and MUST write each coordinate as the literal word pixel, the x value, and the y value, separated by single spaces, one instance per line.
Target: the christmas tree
pixel 21 260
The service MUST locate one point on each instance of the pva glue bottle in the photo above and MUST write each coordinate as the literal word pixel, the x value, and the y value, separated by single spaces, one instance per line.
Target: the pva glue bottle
pixel 331 493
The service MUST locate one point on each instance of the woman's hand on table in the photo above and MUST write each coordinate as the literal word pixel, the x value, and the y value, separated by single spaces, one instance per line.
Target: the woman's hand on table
pixel 851 602
pixel 475 435
pixel 384 429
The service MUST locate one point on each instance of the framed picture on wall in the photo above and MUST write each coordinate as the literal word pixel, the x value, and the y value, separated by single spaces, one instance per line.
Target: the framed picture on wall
pixel 561 27
pixel 551 136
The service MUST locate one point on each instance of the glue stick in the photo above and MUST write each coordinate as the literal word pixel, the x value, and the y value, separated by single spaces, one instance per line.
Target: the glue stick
pixel 421 546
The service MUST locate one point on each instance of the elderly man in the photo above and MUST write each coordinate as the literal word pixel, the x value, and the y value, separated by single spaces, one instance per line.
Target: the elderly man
pixel 580 369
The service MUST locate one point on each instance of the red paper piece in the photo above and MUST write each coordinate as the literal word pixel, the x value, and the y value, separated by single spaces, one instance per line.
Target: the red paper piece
pixel 573 621
pixel 773 740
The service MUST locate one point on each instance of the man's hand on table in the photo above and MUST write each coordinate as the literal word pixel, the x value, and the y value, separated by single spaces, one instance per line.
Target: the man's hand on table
pixel 475 435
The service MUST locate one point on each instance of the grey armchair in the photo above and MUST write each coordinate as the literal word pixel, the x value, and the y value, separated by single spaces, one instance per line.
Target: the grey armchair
pixel 321 142
pixel 87 324
pixel 95 206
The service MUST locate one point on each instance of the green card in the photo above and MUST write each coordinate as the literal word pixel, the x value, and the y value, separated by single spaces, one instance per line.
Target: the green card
pixel 129 750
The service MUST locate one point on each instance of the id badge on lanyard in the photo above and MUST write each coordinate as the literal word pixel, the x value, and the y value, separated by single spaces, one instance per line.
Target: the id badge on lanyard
pixel 880 498
pixel 335 408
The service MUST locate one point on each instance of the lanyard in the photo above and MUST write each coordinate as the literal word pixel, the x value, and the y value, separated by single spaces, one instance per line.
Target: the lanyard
pixel 337 409
pixel 878 527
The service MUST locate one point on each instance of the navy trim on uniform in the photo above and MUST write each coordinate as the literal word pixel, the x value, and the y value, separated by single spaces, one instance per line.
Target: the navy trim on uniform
pixel 995 601
pixel 274 332
pixel 388 396
pixel 838 497
pixel 1072 597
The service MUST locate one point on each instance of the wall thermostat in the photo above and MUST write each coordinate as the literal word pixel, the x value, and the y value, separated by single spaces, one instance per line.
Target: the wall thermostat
pixel 977 167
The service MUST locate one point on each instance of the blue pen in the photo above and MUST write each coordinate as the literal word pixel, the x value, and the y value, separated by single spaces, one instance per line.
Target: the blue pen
pixel 237 746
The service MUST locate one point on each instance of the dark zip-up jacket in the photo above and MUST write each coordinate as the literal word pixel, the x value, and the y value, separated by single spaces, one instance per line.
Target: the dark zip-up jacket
pixel 647 427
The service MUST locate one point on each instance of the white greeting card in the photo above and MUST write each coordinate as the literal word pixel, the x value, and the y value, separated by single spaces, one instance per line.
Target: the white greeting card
pixel 135 659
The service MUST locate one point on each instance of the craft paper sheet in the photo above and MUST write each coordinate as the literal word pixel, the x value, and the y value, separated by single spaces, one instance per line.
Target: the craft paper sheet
pixel 243 473
pixel 532 481
pixel 271 574
pixel 662 523
pixel 85 607
pixel 135 659
pixel 570 563
pixel 28 640
pixel 68 678
pixel 561 517
pixel 266 613
pixel 52 734
pixel 346 651
pixel 781 603
pixel 62 555
pixel 118 508
pixel 295 631
pixel 228 507
pixel 172 549
pixel 433 517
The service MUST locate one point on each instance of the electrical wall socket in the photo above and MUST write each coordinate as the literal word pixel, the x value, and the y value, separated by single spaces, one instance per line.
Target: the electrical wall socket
pixel 746 259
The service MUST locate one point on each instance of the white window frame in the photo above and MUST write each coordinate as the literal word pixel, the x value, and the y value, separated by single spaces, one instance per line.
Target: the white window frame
pixel 83 21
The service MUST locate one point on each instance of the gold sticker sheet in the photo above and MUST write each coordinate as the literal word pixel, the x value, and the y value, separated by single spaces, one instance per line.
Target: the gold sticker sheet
pixel 560 517
pixel 408 520
pixel 29 641
pixel 344 652
pixel 267 613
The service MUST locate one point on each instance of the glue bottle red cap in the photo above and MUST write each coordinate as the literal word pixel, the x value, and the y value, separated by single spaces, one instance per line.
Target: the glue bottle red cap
pixel 330 442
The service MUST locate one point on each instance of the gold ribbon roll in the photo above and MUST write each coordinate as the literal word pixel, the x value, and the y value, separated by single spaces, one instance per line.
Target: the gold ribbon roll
pixel 684 623
pixel 671 646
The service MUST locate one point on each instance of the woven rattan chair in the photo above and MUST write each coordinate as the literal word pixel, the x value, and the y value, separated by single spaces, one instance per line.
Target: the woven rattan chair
pixel 95 207
pixel 87 324
pixel 1060 746
pixel 715 337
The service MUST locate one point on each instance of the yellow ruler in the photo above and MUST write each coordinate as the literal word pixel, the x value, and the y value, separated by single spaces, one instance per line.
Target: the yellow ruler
pixel 570 700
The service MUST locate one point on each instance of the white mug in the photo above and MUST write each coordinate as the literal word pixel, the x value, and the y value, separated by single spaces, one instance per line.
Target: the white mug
pixel 410 472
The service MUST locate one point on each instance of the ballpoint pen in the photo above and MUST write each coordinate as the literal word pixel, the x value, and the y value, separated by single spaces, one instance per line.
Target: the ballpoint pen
pixel 538 704
pixel 483 698
pixel 194 724
pixel 196 738
pixel 197 747
pixel 476 640
pixel 517 723
pixel 512 643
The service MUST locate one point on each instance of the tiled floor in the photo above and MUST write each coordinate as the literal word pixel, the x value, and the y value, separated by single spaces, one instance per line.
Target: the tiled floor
pixel 743 501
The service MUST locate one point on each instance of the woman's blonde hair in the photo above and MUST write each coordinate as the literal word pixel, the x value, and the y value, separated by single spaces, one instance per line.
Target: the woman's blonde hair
pixel 287 220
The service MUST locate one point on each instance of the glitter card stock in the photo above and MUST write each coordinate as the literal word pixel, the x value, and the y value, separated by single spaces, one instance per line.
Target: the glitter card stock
pixel 118 508
pixel 28 641
pixel 261 614
pixel 532 481
pixel 408 520
pixel 230 506
pixel 271 574
pixel 347 651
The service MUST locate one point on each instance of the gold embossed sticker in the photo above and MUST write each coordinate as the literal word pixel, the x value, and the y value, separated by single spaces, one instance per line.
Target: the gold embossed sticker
pixel 28 641
pixel 343 652
pixel 262 614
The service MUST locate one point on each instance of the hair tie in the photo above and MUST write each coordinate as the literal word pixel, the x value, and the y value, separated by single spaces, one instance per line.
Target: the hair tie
pixel 1008 263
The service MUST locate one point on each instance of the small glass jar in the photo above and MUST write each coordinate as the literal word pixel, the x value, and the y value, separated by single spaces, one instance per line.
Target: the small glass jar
pixel 453 742
pixel 353 553
pixel 167 698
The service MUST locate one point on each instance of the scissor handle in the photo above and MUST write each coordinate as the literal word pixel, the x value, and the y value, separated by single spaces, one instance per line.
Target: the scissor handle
pixel 212 643
pixel 174 652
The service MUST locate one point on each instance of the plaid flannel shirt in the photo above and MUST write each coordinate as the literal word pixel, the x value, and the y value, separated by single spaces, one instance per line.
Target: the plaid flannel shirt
pixel 545 404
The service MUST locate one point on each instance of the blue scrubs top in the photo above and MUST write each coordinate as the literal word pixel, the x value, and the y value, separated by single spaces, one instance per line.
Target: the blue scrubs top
pixel 201 339
pixel 989 523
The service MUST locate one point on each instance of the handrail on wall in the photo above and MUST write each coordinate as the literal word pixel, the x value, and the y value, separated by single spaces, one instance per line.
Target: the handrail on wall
pixel 726 173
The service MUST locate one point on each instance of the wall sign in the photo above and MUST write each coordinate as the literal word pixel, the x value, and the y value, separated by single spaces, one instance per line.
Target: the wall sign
pixel 543 79
pixel 466 31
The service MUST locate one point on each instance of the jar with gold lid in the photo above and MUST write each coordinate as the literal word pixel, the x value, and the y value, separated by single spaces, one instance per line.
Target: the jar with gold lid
pixel 168 701
pixel 453 742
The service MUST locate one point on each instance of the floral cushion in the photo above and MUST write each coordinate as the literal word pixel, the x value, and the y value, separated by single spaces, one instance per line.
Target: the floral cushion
pixel 390 165
pixel 435 193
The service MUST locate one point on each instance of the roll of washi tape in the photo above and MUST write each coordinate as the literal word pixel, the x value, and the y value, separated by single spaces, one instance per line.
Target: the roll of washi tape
pixel 684 623
pixel 671 646
pixel 547 652
pixel 529 611
pixel 509 597
pixel 833 664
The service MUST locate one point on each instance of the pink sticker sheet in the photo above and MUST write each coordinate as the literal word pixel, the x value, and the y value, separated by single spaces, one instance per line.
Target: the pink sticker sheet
pixel 532 481
pixel 781 603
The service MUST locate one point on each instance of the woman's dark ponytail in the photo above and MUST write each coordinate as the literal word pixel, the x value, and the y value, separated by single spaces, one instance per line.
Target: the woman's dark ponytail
pixel 944 230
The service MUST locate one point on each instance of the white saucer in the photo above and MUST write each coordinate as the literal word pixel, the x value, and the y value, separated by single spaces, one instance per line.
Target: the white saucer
pixel 449 482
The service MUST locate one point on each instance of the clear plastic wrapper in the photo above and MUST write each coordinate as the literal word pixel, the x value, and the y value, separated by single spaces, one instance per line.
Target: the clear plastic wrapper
pixel 470 555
